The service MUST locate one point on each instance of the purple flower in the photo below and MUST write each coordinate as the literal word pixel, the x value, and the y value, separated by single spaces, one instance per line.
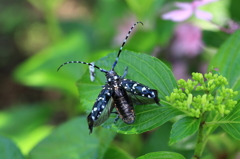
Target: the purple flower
pixel 232 26
pixel 187 41
pixel 187 10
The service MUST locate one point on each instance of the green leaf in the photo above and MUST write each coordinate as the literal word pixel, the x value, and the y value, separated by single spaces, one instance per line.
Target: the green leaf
pixel 40 70
pixel 116 153
pixel 145 10
pixel 227 61
pixel 72 140
pixel 162 155
pixel 231 122
pixel 213 38
pixel 8 150
pixel 148 117
pixel 141 68
pixel 19 121
pixel 234 10
pixel 183 128
pixel 140 7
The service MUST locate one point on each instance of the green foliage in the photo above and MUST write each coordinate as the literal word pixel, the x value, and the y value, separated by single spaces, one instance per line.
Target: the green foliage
pixel 144 69
pixel 8 150
pixel 41 35
pixel 231 123
pixel 116 153
pixel 72 140
pixel 23 119
pixel 162 155
pixel 183 128
pixel 227 61
pixel 41 70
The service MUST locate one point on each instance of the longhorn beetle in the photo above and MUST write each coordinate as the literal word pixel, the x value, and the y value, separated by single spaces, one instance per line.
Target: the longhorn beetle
pixel 120 93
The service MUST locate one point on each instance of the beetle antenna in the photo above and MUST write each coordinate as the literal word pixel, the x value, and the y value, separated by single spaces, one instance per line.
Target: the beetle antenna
pixel 90 64
pixel 120 50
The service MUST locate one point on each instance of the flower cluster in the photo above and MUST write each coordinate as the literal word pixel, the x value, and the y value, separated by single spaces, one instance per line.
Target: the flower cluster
pixel 200 95
pixel 186 10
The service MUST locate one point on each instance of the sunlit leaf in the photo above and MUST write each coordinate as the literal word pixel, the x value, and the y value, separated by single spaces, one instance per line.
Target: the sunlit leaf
pixel 116 153
pixel 183 128
pixel 41 69
pixel 227 61
pixel 8 150
pixel 162 155
pixel 19 121
pixel 143 69
pixel 72 140
pixel 231 123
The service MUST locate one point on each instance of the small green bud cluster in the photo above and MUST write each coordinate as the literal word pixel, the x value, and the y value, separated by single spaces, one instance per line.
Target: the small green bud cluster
pixel 209 92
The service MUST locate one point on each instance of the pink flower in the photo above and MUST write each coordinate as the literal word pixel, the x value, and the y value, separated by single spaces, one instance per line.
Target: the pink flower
pixel 232 27
pixel 187 41
pixel 187 10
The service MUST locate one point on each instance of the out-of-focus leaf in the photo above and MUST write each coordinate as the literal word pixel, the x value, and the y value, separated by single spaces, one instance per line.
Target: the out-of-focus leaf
pixel 116 153
pixel 41 69
pixel 20 121
pixel 8 25
pixel 8 150
pixel 26 124
pixel 145 9
pixel 234 10
pixel 46 5
pixel 162 155
pixel 143 69
pixel 231 122
pixel 158 139
pixel 214 39
pixel 72 140
pixel 227 61
pixel 183 128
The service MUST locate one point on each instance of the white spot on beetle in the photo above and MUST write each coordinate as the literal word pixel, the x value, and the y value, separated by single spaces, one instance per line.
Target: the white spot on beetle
pixel 93 118
pixel 149 96
pixel 103 106
pixel 94 109
pixel 144 89
pixel 135 85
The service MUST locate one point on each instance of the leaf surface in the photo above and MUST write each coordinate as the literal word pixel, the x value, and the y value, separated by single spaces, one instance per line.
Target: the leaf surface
pixel 144 69
pixel 162 155
pixel 183 128
pixel 72 140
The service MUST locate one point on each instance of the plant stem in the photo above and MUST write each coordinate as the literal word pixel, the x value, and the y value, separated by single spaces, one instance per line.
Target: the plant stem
pixel 200 140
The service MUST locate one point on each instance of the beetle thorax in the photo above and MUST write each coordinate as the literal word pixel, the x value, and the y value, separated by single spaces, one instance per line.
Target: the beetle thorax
pixel 112 77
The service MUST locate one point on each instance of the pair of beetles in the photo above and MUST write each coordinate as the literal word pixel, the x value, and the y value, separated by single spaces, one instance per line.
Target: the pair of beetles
pixel 119 93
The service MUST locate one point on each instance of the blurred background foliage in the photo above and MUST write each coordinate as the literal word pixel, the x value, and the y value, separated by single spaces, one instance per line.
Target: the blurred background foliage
pixel 36 36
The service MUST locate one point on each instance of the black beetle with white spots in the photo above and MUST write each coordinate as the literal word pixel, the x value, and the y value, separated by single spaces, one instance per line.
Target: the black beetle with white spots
pixel 119 93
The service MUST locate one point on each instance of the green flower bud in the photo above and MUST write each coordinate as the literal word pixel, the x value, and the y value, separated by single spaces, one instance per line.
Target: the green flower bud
pixel 189 100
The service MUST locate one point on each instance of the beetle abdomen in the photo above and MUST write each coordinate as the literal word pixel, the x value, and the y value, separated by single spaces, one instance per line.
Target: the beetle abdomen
pixel 125 110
